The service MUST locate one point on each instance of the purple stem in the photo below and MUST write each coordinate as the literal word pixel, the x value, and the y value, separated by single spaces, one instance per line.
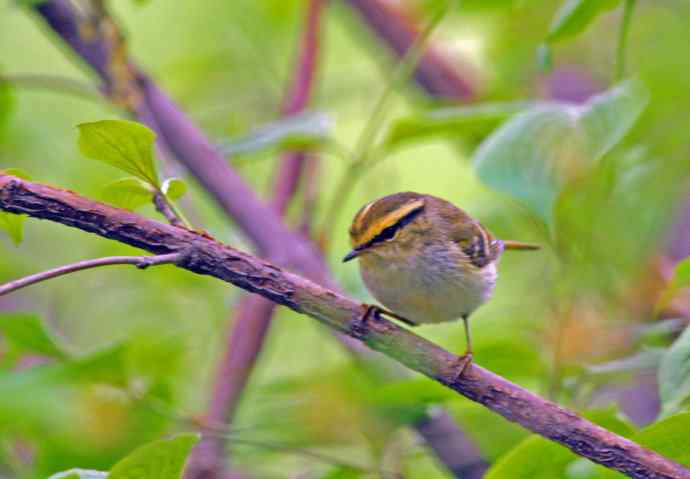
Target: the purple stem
pixel 246 336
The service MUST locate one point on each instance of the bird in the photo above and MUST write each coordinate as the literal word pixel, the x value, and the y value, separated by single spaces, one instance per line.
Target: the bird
pixel 426 260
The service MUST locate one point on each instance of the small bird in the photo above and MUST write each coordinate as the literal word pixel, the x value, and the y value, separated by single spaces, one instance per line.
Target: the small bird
pixel 426 260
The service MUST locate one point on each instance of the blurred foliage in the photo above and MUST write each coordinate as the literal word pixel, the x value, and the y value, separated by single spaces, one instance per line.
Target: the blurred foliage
pixel 97 364
pixel 158 460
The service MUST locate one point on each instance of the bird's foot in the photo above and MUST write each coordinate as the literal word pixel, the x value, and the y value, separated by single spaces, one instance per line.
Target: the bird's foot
pixel 360 326
pixel 384 312
pixel 462 366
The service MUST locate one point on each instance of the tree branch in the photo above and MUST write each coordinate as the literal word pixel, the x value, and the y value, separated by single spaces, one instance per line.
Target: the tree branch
pixel 178 135
pixel 140 262
pixel 206 256
pixel 188 143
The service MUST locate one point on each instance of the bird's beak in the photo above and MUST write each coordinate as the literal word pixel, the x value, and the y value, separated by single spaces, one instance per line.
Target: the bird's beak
pixel 352 254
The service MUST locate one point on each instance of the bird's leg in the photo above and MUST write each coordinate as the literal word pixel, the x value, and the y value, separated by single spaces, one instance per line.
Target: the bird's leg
pixel 371 311
pixel 465 360
pixel 391 314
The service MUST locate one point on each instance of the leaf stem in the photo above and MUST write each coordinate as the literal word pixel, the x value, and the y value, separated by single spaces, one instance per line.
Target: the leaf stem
pixel 141 262
pixel 623 34
pixel 168 209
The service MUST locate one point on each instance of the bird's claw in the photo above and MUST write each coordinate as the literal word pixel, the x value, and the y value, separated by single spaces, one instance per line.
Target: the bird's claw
pixel 464 362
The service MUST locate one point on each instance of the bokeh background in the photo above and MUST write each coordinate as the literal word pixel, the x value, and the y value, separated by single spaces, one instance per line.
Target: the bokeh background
pixel 588 321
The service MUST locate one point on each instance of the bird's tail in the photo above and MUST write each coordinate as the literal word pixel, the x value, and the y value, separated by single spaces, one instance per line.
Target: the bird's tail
pixel 518 245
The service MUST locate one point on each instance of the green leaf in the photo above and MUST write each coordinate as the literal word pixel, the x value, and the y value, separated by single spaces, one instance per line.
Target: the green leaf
pixel 681 277
pixel 27 333
pixel 157 460
pixel 80 474
pixel 539 458
pixel 668 438
pixel 607 118
pixel 174 188
pixel 343 472
pixel 306 130
pixel 129 193
pixel 534 458
pixel 534 155
pixel 45 398
pixel 11 223
pixel 454 121
pixel 126 145
pixel 674 375
pixel 406 401
pixel 6 102
pixel 574 16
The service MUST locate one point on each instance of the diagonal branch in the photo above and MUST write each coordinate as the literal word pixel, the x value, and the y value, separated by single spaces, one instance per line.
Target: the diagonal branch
pixel 206 256
pixel 179 136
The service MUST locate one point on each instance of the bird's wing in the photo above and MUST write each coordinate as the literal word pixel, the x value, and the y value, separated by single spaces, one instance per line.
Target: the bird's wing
pixel 475 241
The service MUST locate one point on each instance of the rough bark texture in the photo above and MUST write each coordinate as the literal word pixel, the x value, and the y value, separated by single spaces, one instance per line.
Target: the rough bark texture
pixel 204 255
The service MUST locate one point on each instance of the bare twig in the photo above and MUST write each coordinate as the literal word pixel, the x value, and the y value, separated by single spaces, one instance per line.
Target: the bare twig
pixel 205 256
pixel 141 262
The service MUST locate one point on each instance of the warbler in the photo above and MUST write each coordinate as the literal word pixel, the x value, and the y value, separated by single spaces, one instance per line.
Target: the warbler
pixel 426 260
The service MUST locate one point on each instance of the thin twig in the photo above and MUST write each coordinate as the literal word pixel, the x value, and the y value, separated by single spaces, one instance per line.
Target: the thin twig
pixel 206 256
pixel 140 262
pixel 623 34
pixel 53 83
pixel 164 208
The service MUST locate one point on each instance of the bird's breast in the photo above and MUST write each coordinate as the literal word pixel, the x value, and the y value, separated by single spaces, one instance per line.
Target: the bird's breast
pixel 436 286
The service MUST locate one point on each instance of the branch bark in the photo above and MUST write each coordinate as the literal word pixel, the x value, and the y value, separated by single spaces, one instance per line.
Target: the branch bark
pixel 203 255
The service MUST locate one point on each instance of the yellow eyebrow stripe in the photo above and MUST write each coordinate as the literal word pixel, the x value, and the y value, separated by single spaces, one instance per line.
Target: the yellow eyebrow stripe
pixel 387 220
pixel 357 224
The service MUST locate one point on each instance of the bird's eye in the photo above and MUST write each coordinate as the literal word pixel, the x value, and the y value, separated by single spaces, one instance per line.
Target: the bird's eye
pixel 387 233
